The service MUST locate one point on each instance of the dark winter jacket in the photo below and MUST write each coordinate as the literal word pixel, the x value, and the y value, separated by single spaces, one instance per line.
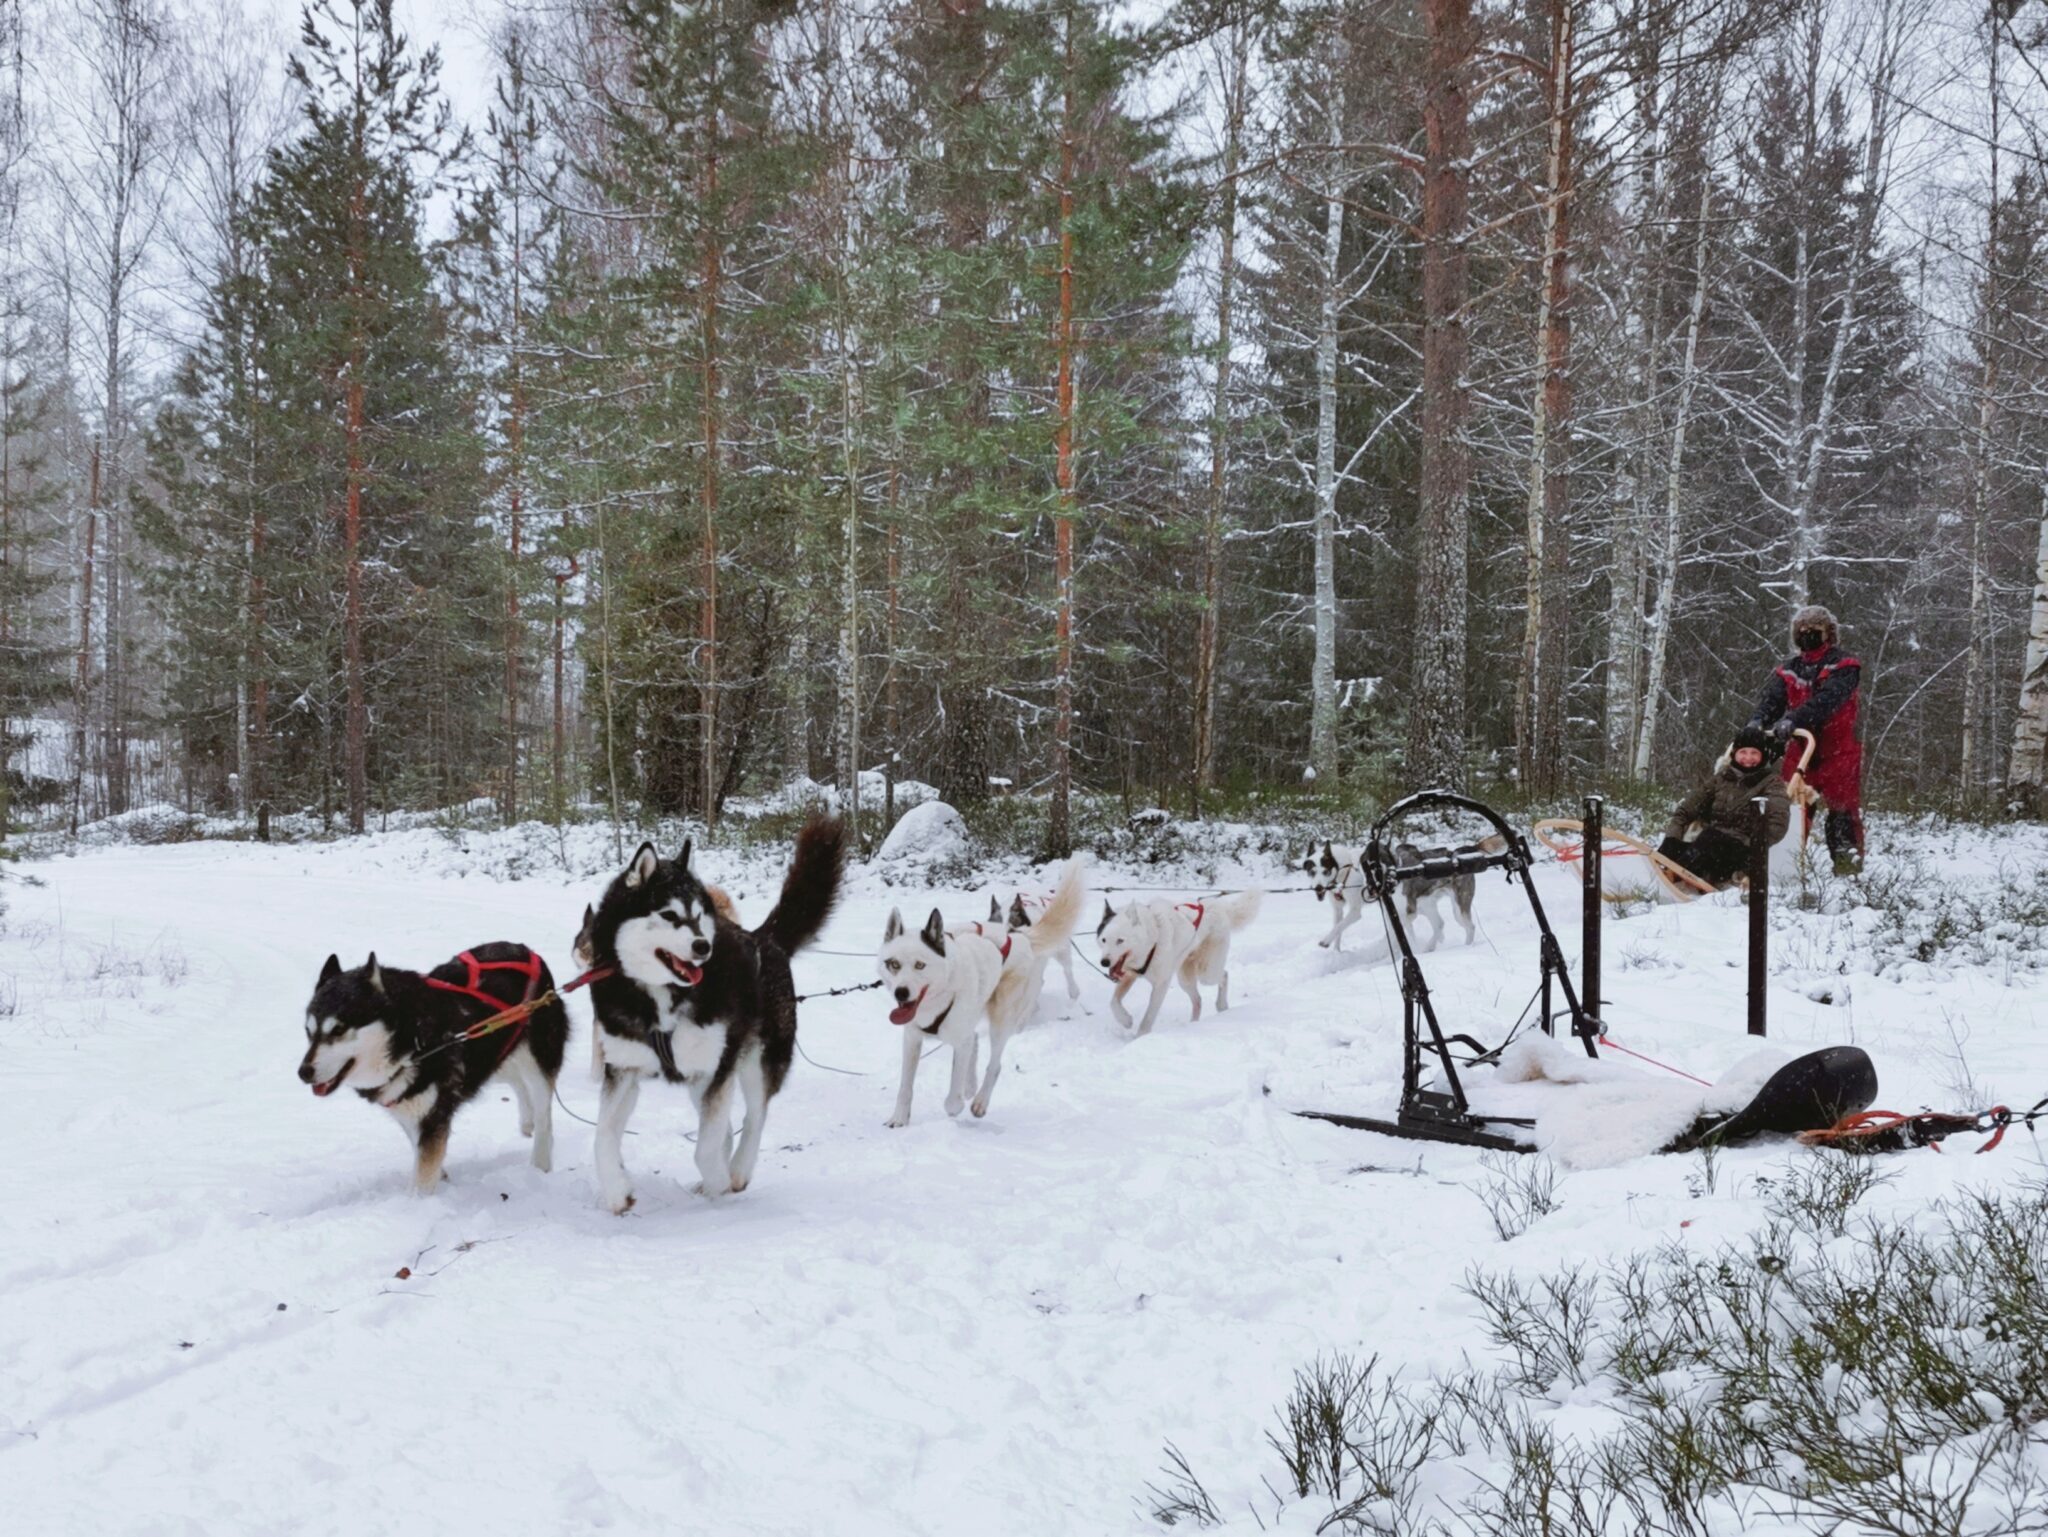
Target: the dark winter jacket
pixel 1722 803
pixel 1837 688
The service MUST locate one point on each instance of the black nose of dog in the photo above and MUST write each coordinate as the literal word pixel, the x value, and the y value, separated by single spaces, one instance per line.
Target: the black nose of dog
pixel 903 995
pixel 700 947
pixel 306 1072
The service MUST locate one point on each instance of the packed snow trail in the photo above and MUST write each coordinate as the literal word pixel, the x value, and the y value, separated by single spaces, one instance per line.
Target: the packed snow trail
pixel 966 1325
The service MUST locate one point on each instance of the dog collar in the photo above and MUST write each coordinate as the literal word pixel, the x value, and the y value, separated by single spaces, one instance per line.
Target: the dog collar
pixel 1150 956
pixel 933 1027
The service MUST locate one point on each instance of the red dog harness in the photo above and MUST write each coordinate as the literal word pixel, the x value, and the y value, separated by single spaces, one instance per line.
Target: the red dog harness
pixel 1008 936
pixel 529 968
pixel 1192 907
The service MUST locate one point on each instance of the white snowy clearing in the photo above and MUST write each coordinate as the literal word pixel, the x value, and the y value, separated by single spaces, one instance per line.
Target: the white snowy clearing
pixel 965 1326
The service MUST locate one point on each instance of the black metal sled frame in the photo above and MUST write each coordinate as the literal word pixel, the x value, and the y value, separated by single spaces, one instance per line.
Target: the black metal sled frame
pixel 1442 1113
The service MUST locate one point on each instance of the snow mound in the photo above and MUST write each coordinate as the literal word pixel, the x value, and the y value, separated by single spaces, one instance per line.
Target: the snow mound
pixel 157 823
pixel 929 831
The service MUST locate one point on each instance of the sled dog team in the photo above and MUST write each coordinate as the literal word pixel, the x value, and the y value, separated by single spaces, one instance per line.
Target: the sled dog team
pixel 682 992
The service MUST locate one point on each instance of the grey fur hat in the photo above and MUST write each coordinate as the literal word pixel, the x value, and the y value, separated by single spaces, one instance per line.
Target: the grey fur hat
pixel 1810 616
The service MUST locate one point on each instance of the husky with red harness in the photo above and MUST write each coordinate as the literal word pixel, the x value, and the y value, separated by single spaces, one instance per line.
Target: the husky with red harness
pixel 423 1045
pixel 1818 689
pixel 1161 941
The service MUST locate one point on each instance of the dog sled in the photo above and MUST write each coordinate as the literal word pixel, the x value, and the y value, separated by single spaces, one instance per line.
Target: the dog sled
pixel 1631 867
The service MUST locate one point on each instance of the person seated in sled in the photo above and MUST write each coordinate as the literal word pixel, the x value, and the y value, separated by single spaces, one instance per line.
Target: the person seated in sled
pixel 1721 809
pixel 1817 690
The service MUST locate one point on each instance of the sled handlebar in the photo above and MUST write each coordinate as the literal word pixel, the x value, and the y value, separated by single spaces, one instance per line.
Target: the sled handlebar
pixel 1438 864
pixel 1806 757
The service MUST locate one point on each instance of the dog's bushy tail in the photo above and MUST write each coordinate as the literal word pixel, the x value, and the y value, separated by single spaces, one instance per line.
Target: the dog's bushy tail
pixel 1062 914
pixel 811 888
pixel 1239 908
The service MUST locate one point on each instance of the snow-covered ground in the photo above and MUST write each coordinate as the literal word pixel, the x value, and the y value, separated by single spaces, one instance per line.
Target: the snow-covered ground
pixel 965 1326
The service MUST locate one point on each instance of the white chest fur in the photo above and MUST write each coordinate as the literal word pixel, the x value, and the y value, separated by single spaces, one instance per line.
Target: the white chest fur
pixel 697 1050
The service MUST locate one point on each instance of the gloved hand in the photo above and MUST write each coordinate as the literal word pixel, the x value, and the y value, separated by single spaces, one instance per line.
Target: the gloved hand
pixel 1783 729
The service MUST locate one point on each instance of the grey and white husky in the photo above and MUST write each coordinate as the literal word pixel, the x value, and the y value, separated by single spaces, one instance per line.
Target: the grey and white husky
pixel 1339 876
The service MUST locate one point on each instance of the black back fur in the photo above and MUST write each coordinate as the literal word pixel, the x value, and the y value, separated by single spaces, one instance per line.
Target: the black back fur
pixel 423 1021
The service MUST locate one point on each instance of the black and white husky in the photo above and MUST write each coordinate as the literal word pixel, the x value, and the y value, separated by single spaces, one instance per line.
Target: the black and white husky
pixel 396 1038
pixel 945 982
pixel 695 999
pixel 1161 941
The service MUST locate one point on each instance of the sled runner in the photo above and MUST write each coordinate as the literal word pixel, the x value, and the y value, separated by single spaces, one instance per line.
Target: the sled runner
pixel 1440 1112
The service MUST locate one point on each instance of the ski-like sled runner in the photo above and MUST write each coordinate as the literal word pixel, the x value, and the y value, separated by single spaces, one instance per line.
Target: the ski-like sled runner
pixel 1441 1112
pixel 1624 856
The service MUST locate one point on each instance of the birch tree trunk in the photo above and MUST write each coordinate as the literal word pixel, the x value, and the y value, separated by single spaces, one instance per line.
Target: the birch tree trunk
pixel 1539 707
pixel 1674 484
pixel 1208 643
pixel 1436 708
pixel 1322 744
pixel 1059 833
pixel 1974 772
pixel 2027 775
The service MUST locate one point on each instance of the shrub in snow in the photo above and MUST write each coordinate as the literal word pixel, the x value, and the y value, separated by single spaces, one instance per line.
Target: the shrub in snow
pixel 1896 1382
pixel 925 833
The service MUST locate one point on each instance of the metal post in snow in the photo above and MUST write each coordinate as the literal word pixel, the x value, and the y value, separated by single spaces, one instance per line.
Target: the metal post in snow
pixel 1759 911
pixel 1589 923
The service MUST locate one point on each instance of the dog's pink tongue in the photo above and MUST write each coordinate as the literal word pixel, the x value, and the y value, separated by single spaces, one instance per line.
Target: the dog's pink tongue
pixel 903 1014
pixel 323 1089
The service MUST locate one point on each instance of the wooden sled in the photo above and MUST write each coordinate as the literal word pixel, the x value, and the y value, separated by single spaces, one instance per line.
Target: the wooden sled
pixel 1679 883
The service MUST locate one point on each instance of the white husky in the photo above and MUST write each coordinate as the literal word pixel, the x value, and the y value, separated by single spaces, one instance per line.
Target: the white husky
pixel 946 981
pixel 1025 910
pixel 1163 940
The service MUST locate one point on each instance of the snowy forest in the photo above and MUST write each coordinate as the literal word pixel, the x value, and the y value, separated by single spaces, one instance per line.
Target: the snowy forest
pixel 1015 395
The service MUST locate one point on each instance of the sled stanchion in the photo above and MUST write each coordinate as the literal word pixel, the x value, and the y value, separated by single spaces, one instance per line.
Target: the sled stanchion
pixel 1589 922
pixel 1438 1110
pixel 1759 912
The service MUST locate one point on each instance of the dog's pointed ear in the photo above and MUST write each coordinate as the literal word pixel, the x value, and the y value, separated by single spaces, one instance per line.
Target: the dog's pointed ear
pixel 371 970
pixel 934 934
pixel 688 858
pixel 995 909
pixel 589 915
pixel 1108 913
pixel 1329 857
pixel 1020 918
pixel 894 931
pixel 643 865
pixel 331 970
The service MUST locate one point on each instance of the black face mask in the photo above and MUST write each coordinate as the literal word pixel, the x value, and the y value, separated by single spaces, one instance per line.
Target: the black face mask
pixel 1811 640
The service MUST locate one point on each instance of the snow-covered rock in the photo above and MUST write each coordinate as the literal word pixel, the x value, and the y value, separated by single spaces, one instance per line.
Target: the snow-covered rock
pixel 926 832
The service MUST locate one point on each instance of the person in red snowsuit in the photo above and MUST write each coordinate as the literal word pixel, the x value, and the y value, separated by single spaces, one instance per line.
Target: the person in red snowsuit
pixel 1817 690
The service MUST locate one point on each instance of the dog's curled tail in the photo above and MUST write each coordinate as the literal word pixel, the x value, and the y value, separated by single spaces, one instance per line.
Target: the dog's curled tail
pixel 811 888
pixel 1062 914
pixel 1239 908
